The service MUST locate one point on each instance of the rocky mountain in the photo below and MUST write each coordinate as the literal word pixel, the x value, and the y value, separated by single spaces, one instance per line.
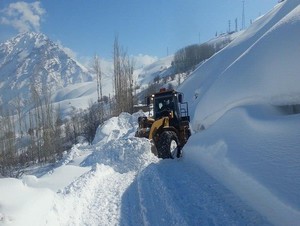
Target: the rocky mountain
pixel 33 60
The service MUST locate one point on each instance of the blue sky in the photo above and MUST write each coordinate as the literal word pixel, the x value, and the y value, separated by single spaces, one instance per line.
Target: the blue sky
pixel 147 27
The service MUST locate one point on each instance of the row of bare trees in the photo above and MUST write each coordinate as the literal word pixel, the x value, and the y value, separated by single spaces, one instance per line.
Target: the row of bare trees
pixel 122 80
pixel 7 141
pixel 47 135
pixel 188 57
pixel 41 140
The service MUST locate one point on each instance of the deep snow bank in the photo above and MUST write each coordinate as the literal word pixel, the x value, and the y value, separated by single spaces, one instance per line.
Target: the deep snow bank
pixel 124 125
pixel 86 187
pixel 254 151
pixel 249 144
pixel 267 72
pixel 115 145
pixel 117 157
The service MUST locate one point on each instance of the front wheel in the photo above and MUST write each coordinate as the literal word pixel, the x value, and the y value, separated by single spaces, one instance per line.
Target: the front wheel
pixel 167 145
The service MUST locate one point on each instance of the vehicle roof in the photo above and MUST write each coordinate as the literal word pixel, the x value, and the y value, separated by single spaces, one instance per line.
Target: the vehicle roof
pixel 165 93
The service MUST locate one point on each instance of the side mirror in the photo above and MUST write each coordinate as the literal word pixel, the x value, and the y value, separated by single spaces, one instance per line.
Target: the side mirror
pixel 180 98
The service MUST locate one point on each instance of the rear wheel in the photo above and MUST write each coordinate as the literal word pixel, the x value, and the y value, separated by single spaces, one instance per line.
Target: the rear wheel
pixel 167 145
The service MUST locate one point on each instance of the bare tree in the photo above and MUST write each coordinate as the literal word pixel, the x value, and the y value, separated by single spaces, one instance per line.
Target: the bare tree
pixel 8 158
pixel 17 102
pixel 97 71
pixel 123 80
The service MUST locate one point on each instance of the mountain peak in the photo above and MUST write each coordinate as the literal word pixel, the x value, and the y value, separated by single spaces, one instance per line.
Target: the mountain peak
pixel 25 40
pixel 33 58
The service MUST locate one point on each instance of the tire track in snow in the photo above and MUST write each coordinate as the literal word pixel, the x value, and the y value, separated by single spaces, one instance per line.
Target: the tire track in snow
pixel 173 192
pixel 157 205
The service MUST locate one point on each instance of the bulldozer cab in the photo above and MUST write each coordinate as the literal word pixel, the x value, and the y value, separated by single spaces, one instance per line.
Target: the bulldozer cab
pixel 166 103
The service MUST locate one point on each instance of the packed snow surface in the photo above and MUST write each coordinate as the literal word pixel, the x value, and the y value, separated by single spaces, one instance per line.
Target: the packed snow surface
pixel 240 166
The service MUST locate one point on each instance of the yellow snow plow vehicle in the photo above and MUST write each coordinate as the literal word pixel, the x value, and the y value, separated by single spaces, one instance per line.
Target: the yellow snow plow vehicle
pixel 168 127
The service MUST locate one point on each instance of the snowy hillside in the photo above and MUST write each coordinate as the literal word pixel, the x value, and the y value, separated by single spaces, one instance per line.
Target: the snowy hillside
pixel 33 59
pixel 241 166
pixel 161 68
pixel 260 66
pixel 247 97
pixel 163 72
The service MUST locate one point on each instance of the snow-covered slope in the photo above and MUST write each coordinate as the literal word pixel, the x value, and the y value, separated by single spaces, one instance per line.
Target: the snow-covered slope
pixel 254 152
pixel 161 68
pixel 247 97
pixel 261 65
pixel 163 73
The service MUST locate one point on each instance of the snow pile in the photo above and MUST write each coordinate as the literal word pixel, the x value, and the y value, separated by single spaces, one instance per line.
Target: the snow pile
pixel 255 153
pixel 123 126
pixel 242 96
pixel 118 147
pixel 128 154
pixel 90 180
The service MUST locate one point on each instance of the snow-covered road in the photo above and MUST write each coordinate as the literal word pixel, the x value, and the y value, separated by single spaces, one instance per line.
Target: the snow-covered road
pixel 172 192
pixel 94 198
pixel 128 185
pixel 157 192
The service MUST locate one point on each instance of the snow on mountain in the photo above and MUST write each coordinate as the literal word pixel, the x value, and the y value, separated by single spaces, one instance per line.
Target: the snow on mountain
pixel 33 59
pixel 243 169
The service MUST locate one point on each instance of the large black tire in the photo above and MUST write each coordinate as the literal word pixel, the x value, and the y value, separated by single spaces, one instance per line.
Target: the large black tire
pixel 167 145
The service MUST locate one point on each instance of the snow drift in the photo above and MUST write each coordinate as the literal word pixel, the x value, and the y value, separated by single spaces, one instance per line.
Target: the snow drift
pixel 90 180
pixel 260 66
pixel 242 97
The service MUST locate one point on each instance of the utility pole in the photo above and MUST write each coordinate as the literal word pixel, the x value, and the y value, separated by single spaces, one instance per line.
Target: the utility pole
pixel 243 16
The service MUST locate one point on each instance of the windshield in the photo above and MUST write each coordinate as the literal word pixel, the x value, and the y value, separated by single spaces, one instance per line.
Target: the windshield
pixel 163 104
